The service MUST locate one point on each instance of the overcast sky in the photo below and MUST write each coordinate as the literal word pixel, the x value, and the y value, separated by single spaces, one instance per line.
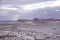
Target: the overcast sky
pixel 28 9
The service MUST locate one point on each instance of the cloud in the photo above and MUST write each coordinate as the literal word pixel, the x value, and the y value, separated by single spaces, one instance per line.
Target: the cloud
pixel 30 7
pixel 22 2
pixel 27 9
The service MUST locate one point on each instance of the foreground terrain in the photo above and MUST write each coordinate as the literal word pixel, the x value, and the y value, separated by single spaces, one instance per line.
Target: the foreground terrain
pixel 17 31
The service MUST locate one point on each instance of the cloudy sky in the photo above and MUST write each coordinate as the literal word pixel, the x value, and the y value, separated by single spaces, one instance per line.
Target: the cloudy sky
pixel 28 9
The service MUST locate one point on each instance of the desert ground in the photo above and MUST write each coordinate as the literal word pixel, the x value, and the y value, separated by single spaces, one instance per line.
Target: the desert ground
pixel 18 31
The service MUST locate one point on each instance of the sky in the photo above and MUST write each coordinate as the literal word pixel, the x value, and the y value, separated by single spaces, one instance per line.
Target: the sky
pixel 29 9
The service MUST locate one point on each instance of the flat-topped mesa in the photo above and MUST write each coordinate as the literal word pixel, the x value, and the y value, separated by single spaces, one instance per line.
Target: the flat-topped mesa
pixel 37 20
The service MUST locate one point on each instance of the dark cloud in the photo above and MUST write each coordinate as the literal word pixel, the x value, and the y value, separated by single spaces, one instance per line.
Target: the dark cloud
pixel 39 13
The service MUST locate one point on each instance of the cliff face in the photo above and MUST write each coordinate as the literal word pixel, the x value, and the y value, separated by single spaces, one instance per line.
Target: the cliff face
pixel 36 21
